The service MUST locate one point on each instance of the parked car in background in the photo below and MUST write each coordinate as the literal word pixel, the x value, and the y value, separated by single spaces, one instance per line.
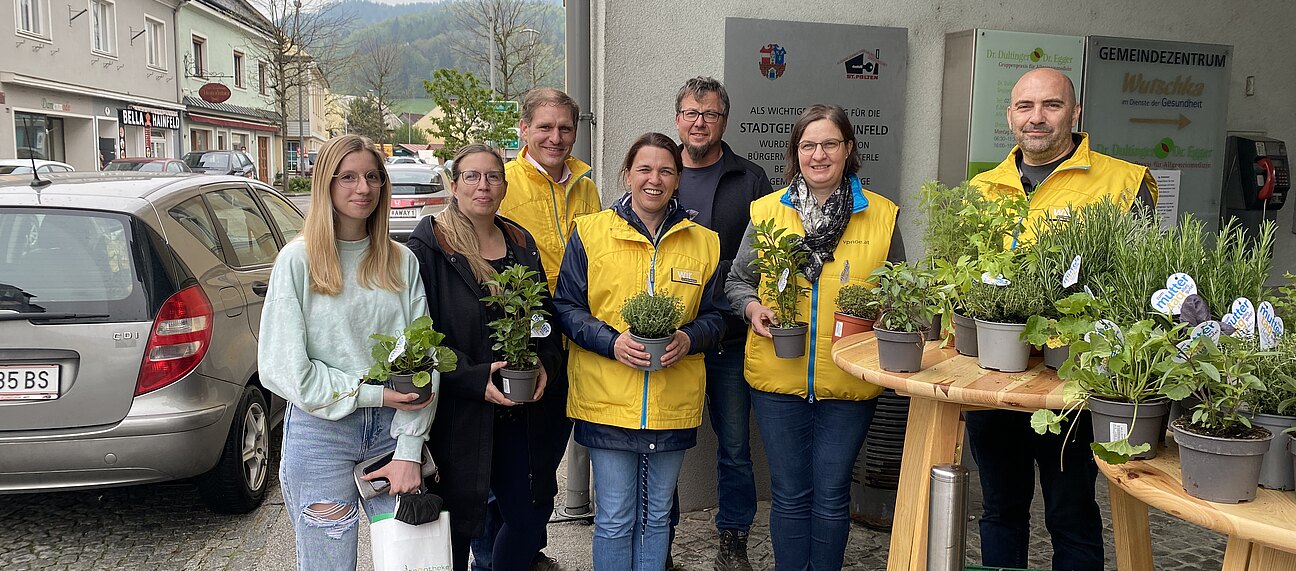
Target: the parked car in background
pixel 405 160
pixel 129 312
pixel 24 166
pixel 142 164
pixel 417 191
pixel 237 163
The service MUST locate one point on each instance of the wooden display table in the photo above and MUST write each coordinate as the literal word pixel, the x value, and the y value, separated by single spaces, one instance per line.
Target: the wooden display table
pixel 948 384
pixel 1262 533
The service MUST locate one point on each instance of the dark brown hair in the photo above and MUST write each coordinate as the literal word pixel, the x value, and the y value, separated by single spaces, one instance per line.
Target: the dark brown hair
pixel 814 113
pixel 653 140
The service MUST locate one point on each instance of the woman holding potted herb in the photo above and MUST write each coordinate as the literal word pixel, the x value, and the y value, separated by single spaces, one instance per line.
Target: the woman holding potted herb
pixel 340 280
pixel 637 423
pixel 812 416
pixel 491 444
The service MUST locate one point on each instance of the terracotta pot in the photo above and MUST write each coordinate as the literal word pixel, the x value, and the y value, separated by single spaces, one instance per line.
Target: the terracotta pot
pixel 845 325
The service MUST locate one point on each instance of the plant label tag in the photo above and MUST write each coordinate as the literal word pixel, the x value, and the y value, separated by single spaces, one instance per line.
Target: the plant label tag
pixel 998 281
pixel 1072 273
pixel 1107 328
pixel 1210 329
pixel 845 275
pixel 1178 287
pixel 783 279
pixel 1089 291
pixel 1181 355
pixel 1118 430
pixel 398 351
pixel 1242 316
pixel 540 327
pixel 837 329
pixel 1268 325
pixel 506 385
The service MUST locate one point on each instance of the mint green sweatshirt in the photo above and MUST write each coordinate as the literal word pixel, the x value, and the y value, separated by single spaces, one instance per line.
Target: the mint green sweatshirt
pixel 314 348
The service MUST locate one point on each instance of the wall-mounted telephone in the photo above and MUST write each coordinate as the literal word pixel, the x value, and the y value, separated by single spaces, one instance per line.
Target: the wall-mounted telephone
pixel 1258 173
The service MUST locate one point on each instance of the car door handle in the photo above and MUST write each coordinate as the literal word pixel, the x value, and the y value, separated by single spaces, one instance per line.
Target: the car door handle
pixel 260 288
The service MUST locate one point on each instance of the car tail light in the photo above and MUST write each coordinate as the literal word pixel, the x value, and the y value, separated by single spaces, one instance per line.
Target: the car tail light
pixel 416 202
pixel 178 341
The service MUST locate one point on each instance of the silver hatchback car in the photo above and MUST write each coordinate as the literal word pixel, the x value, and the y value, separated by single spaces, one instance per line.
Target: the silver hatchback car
pixel 129 310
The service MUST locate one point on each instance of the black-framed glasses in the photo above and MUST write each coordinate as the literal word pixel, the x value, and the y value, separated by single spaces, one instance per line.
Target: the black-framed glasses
pixel 350 179
pixel 493 178
pixel 830 146
pixel 691 115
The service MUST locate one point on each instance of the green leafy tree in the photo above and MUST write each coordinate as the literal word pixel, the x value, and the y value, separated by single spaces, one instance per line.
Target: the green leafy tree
pixel 470 118
pixel 409 134
pixel 363 118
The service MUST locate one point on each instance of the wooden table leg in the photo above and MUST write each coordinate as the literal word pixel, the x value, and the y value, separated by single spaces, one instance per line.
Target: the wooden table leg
pixel 1130 528
pixel 1237 555
pixel 933 435
pixel 1265 558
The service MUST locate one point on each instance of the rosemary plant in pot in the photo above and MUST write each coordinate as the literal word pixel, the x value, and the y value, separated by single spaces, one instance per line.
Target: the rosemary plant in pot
pixel 652 319
pixel 1275 409
pixel 519 295
pixel 857 309
pixel 414 361
pixel 1220 452
pixel 779 257
pixel 908 298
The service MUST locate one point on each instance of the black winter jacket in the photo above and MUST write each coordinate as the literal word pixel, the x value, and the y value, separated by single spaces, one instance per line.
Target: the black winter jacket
pixel 462 434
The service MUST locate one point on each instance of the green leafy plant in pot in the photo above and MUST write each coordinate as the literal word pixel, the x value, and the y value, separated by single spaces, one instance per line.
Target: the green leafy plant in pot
pixel 857 309
pixel 1119 375
pixel 948 230
pixel 1275 409
pixel 959 276
pixel 1077 314
pixel 413 361
pixel 1001 312
pixel 908 297
pixel 1220 452
pixel 519 293
pixel 779 258
pixel 653 319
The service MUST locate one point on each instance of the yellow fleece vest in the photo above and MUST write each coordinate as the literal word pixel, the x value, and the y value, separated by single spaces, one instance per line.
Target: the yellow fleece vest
pixel 1085 178
pixel 864 245
pixel 546 209
pixel 621 262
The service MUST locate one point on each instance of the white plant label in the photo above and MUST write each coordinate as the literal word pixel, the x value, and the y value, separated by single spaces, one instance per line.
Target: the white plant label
pixel 506 385
pixel 1089 291
pixel 783 279
pixel 1107 328
pixel 998 280
pixel 1268 325
pixel 1118 430
pixel 845 275
pixel 837 329
pixel 398 351
pixel 1178 357
pixel 540 327
pixel 1178 287
pixel 1208 328
pixel 1242 316
pixel 1072 273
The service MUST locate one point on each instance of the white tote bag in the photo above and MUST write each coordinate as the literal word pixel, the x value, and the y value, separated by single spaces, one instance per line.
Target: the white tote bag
pixel 399 546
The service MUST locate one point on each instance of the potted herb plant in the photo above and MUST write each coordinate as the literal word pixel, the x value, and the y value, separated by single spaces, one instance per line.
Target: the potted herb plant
pixel 519 295
pixel 1077 314
pixel 779 257
pixel 959 276
pixel 414 361
pixel 1220 452
pixel 652 319
pixel 1275 410
pixel 908 298
pixel 857 309
pixel 1001 312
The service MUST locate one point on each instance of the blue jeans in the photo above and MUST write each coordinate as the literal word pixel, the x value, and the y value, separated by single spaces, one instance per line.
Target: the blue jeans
pixel 483 546
pixel 811 448
pixel 634 494
pixel 1007 452
pixel 729 402
pixel 319 490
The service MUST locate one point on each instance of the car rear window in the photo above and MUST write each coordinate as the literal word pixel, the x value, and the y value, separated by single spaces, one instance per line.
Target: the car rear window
pixel 10 169
pixel 218 161
pixel 124 166
pixel 98 264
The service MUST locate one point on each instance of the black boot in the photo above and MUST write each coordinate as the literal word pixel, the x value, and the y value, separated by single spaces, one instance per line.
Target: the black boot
pixel 732 555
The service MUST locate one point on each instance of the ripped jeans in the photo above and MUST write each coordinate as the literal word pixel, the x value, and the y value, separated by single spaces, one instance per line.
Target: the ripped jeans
pixel 319 490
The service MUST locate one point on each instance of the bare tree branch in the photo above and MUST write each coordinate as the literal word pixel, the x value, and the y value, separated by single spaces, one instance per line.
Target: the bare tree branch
pixel 522 60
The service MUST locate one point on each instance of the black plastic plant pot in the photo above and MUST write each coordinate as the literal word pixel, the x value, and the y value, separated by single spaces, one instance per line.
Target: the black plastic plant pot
pixel 789 342
pixel 1215 469
pixel 656 347
pixel 518 385
pixel 899 351
pixel 1276 470
pixel 1114 420
pixel 1055 356
pixel 965 336
pixel 405 384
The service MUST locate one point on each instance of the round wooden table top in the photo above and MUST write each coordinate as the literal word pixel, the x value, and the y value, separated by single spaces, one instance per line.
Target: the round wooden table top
pixel 949 376
pixel 1270 519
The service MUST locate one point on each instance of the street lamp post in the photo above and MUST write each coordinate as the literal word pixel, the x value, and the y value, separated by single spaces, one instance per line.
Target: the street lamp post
pixel 301 135
pixel 535 37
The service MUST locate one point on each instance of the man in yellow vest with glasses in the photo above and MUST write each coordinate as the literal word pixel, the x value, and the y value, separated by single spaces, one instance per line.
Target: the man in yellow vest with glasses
pixel 1055 168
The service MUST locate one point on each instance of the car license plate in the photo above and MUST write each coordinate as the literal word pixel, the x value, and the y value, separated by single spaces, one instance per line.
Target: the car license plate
pixel 410 213
pixel 29 382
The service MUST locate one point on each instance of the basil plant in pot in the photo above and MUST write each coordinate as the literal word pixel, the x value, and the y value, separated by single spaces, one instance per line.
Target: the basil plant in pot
pixel 908 298
pixel 1220 451
pixel 652 319
pixel 1119 376
pixel 519 295
pixel 779 258
pixel 414 361
pixel 857 309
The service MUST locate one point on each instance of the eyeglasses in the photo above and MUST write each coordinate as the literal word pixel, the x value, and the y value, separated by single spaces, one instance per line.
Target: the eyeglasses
pixel 493 178
pixel 691 115
pixel 372 178
pixel 830 146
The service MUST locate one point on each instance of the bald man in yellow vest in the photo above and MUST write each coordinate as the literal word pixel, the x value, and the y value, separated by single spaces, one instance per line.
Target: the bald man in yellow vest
pixel 1058 171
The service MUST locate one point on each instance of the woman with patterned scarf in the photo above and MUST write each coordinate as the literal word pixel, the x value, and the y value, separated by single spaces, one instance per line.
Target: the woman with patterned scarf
pixel 812 416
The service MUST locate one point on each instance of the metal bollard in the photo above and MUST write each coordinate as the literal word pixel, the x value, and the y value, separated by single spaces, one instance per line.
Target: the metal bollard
pixel 947 518
pixel 577 505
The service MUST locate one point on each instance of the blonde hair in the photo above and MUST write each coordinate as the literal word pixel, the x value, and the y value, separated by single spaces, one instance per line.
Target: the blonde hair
pixel 381 264
pixel 457 229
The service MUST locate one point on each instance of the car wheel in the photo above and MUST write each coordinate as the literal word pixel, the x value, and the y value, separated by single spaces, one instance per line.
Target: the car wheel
pixel 237 484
